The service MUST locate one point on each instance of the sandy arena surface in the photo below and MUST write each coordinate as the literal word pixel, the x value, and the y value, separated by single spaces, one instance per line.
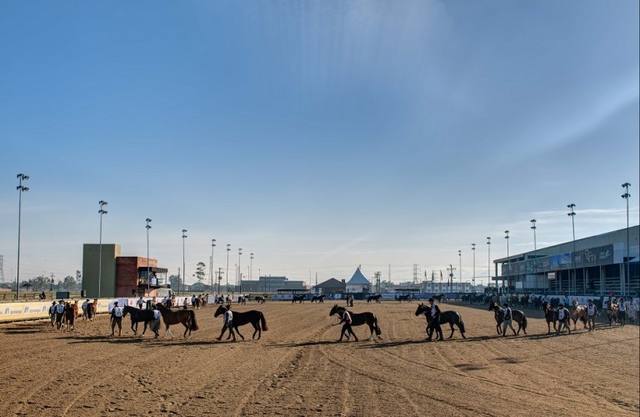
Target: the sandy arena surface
pixel 298 369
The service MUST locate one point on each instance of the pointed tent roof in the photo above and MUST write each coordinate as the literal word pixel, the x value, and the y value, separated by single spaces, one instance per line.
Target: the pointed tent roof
pixel 358 278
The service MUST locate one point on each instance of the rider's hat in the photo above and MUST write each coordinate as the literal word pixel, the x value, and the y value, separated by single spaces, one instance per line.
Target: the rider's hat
pixel 431 299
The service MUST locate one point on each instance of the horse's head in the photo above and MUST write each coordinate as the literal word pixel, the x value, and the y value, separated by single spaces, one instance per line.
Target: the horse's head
pixel 335 310
pixel 421 309
pixel 220 310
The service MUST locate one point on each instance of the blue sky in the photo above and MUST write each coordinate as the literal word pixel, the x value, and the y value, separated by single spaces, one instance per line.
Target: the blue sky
pixel 320 135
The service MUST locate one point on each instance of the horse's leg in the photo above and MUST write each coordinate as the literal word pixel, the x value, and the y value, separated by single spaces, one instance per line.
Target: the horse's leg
pixel 238 331
pixel 452 330
pixel 134 327
pixel 145 328
pixel 255 330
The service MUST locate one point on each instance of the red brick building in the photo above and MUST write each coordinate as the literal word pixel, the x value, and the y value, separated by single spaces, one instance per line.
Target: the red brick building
pixel 131 276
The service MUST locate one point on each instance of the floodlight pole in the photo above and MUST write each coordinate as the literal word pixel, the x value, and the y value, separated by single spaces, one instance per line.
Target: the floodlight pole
pixel 21 188
pixel 572 214
pixel 506 236
pixel 101 212
pixel 489 261
pixel 148 227
pixel 627 277
pixel 213 245
pixel 184 270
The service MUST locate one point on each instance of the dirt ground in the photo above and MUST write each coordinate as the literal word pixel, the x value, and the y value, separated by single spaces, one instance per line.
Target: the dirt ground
pixel 298 369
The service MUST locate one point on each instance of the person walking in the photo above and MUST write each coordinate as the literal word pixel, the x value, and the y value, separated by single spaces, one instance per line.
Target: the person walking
pixel 433 318
pixel 140 303
pixel 346 321
pixel 622 311
pixel 116 318
pixel 563 319
pixel 52 313
pixel 507 318
pixel 592 312
pixel 59 314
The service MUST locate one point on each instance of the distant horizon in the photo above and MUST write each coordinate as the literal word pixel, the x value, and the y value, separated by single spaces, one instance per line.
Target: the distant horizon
pixel 319 136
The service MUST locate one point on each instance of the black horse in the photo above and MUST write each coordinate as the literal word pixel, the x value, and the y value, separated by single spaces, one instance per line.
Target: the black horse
pixel 260 299
pixel 255 317
pixel 137 316
pixel 357 319
pixel 517 316
pixel 374 297
pixel 550 316
pixel 297 298
pixel 450 317
pixel 404 297
pixel 318 298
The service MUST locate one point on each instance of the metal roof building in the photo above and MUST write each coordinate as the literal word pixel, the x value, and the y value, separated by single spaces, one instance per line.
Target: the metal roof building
pixel 597 267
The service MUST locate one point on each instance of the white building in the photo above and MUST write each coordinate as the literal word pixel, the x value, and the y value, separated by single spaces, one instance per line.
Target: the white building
pixel 358 283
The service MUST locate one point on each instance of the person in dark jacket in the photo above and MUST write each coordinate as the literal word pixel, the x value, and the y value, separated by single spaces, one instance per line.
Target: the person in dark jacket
pixel 433 317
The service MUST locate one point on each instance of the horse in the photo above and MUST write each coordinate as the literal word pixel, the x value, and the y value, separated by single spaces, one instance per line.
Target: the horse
pixel 298 298
pixel 318 298
pixel 358 319
pixel 516 315
pixel 260 299
pixel 578 312
pixel 550 315
pixel 69 316
pixel 451 317
pixel 255 317
pixel 170 317
pixel 137 316
pixel 404 297
pixel 76 310
pixel 374 297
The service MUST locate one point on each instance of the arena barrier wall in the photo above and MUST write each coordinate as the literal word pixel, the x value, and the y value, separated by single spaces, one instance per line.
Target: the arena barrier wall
pixel 40 309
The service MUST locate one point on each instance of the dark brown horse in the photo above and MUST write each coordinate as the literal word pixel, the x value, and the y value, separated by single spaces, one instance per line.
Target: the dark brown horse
pixel 374 297
pixel 255 317
pixel 450 317
pixel 516 315
pixel 69 316
pixel 170 317
pixel 357 319
pixel 550 316
pixel 297 298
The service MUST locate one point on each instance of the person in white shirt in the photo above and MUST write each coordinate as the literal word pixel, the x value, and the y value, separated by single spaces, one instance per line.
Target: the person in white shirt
pixel 155 324
pixel 592 312
pixel 563 319
pixel 622 311
pixel 185 303
pixel 59 314
pixel 140 303
pixel 116 318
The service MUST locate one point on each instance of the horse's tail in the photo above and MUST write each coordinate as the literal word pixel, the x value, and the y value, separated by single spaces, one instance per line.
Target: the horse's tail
pixel 524 322
pixel 194 323
pixel 460 324
pixel 263 322
pixel 376 327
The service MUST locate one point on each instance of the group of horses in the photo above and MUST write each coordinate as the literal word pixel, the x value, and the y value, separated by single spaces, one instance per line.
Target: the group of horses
pixel 72 312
